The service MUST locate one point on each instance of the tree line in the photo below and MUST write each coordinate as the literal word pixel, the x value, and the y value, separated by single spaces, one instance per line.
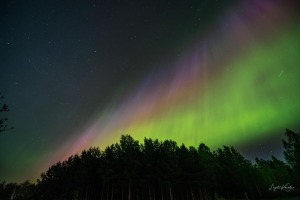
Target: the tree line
pixel 163 170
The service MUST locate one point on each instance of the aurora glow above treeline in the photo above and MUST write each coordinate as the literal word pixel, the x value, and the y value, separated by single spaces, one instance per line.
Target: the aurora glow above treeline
pixel 236 82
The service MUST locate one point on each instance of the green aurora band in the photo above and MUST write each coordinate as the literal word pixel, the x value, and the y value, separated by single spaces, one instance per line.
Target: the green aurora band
pixel 238 85
pixel 258 95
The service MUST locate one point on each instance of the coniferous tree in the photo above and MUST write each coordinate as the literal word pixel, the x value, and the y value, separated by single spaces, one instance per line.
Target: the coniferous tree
pixel 292 153
pixel 155 170
pixel 3 108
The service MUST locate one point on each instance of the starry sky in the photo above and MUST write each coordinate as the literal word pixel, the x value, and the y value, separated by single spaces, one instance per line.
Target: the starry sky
pixel 80 73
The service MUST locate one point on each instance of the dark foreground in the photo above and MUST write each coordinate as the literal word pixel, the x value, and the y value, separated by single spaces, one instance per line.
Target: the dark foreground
pixel 162 170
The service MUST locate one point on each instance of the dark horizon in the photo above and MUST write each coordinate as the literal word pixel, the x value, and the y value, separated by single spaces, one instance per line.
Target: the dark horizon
pixel 157 169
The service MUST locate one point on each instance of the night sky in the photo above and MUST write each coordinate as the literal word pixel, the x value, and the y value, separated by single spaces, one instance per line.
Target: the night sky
pixel 80 73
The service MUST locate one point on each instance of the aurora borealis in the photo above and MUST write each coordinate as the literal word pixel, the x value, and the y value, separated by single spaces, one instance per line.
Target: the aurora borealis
pixel 219 73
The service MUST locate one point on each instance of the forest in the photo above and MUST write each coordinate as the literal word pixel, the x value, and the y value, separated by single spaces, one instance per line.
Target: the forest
pixel 164 170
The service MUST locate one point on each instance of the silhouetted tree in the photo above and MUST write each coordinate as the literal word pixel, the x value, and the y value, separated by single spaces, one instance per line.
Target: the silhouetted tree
pixel 155 170
pixel 292 153
pixel 233 173
pixel 150 158
pixel 272 172
pixel 207 169
pixel 22 191
pixel 129 156
pixel 3 108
